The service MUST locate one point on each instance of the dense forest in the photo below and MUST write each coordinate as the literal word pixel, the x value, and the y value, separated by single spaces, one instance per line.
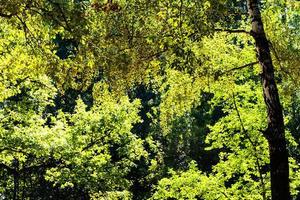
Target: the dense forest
pixel 150 99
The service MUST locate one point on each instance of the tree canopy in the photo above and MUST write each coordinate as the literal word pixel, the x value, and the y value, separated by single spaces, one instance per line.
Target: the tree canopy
pixel 143 99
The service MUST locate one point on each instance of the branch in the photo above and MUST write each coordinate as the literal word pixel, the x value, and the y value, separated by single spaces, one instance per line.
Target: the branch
pixel 10 169
pixel 254 145
pixel 88 146
pixel 154 55
pixel 242 67
pixel 7 15
pixel 25 27
pixel 27 6
pixel 34 168
pixel 239 116
pixel 235 68
pixel 13 150
pixel 279 61
pixel 46 13
pixel 91 144
pixel 180 14
pixel 232 30
pixel 63 15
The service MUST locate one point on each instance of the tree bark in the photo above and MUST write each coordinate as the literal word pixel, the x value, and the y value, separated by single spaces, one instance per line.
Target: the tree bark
pixel 275 130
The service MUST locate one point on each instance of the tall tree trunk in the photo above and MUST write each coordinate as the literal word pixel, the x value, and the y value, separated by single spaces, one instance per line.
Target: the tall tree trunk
pixel 275 131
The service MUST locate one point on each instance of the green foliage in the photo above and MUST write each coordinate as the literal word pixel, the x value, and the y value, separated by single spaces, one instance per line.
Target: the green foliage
pixel 191 184
pixel 90 147
pixel 75 123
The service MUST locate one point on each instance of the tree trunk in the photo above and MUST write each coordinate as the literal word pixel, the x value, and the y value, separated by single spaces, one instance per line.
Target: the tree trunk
pixel 16 178
pixel 275 131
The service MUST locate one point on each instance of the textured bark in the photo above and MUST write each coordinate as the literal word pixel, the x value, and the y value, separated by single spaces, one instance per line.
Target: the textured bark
pixel 275 131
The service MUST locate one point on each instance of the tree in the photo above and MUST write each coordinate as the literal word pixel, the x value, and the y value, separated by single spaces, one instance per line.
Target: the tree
pixel 275 130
